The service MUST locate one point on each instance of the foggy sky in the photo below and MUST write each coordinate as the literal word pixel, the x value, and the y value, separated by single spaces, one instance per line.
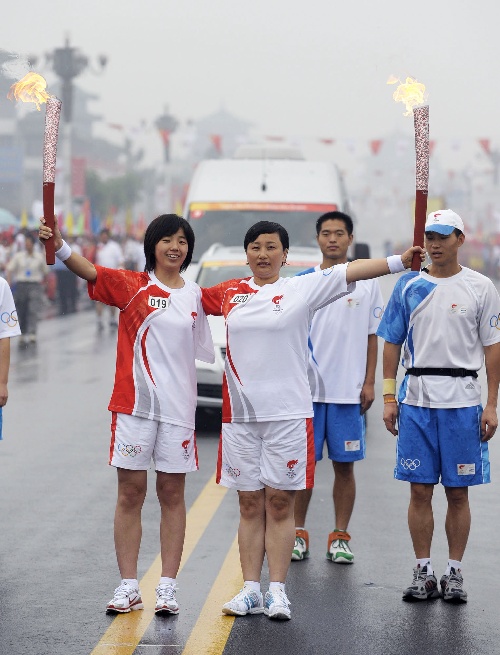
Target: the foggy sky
pixel 308 69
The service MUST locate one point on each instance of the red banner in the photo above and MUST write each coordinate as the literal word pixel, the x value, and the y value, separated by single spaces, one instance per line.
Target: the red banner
pixel 485 145
pixel 78 168
pixel 216 140
pixel 165 136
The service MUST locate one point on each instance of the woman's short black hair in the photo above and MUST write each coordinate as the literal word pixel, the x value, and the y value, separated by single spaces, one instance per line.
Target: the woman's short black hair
pixel 266 227
pixel 164 226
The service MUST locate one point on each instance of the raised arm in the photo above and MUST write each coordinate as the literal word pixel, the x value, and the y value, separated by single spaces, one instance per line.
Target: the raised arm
pixel 75 262
pixel 365 269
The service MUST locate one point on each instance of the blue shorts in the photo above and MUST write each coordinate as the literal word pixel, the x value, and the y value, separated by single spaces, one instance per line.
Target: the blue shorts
pixel 343 428
pixel 441 445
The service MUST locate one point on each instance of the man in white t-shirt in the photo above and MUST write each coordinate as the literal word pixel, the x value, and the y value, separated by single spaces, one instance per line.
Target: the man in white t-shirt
pixel 443 323
pixel 109 255
pixel 342 362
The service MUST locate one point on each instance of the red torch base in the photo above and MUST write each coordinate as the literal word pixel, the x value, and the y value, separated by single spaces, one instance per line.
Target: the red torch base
pixel 419 227
pixel 48 213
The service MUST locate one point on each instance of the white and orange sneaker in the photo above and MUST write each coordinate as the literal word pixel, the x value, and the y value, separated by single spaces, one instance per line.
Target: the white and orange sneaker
pixel 301 547
pixel 339 550
pixel 125 599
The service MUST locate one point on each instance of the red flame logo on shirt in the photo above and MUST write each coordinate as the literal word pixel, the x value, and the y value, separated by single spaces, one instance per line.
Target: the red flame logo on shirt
pixel 193 316
pixel 292 463
pixel 276 299
pixel 186 443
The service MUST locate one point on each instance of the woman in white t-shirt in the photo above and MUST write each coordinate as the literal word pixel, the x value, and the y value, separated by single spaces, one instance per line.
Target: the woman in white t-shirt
pixel 162 330
pixel 267 447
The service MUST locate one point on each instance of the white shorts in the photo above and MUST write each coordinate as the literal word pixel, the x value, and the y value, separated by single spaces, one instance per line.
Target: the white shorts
pixel 277 454
pixel 135 440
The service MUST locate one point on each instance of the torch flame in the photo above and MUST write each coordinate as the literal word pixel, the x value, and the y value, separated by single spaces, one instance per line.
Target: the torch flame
pixel 30 89
pixel 411 93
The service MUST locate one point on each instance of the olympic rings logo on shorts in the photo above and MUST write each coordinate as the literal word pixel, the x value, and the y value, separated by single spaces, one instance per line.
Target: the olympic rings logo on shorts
pixel 378 312
pixel 9 318
pixel 495 321
pixel 129 450
pixel 234 473
pixel 410 464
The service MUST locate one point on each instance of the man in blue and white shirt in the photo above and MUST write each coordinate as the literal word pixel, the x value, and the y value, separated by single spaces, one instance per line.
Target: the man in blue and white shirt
pixel 443 323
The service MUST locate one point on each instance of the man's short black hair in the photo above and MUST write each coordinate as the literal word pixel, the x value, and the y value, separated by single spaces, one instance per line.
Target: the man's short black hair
pixel 266 227
pixel 335 216
pixel 164 226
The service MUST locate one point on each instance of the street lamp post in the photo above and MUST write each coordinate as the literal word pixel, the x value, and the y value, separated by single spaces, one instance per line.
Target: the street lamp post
pixel 166 124
pixel 67 63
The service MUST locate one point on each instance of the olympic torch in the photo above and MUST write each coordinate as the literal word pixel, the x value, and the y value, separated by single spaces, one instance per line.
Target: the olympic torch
pixel 32 88
pixel 412 94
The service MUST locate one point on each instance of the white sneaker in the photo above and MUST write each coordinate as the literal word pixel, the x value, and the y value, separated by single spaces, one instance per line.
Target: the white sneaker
pixel 277 605
pixel 245 602
pixel 166 602
pixel 125 599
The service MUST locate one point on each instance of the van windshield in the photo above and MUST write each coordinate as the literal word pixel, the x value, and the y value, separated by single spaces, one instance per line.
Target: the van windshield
pixel 229 226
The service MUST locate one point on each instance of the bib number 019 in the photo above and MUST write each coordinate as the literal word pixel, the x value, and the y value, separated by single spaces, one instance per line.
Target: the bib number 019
pixel 158 302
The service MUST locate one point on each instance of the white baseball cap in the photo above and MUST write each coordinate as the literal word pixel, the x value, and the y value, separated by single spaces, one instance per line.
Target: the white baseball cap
pixel 444 222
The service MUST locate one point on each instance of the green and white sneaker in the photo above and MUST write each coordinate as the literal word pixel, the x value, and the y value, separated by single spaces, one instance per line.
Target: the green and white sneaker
pixel 339 550
pixel 301 547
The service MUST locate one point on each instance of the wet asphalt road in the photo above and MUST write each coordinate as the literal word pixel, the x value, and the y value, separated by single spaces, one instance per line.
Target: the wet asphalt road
pixel 57 563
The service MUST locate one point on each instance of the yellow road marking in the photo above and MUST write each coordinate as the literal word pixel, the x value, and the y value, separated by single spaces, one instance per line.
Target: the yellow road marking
pixel 211 632
pixel 127 630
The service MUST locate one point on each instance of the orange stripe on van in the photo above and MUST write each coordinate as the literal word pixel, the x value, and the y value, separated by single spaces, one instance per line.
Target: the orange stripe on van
pixel 263 206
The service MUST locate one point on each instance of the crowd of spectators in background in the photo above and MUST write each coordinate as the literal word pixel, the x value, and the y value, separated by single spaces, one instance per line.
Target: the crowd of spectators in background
pixel 40 290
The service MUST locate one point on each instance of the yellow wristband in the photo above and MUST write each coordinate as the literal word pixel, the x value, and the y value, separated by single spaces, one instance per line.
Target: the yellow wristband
pixel 389 400
pixel 389 386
